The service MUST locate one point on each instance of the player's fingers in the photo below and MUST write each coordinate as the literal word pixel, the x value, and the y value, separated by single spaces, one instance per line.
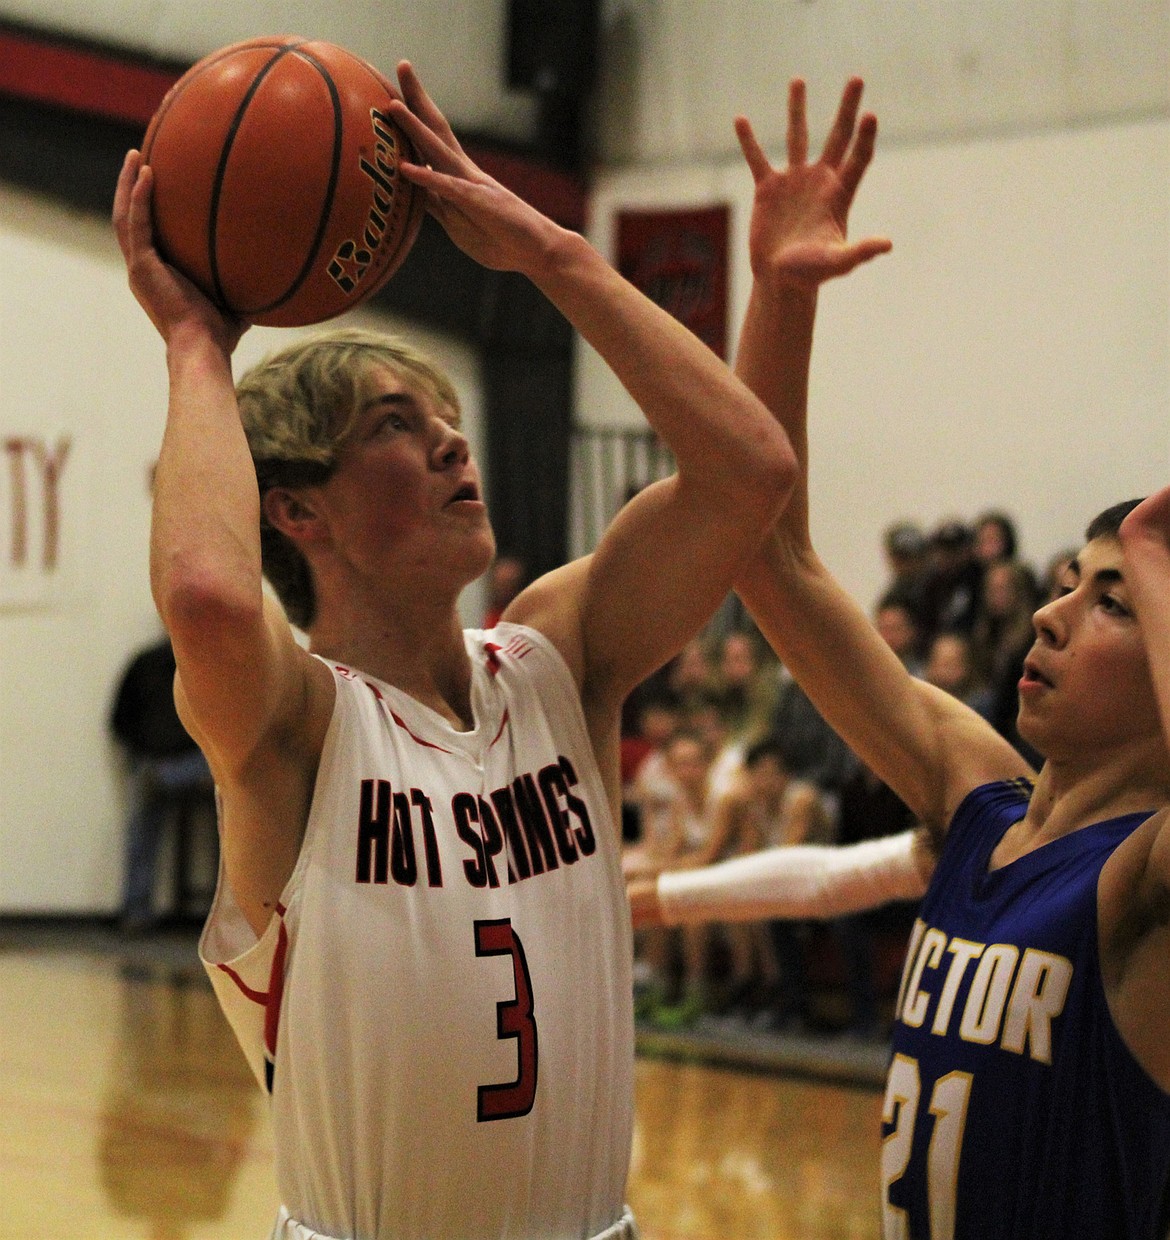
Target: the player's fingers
pixel 422 105
pixel 136 230
pixel 753 152
pixel 432 147
pixel 454 190
pixel 859 157
pixel 126 179
pixel 837 143
pixel 797 123
pixel 861 252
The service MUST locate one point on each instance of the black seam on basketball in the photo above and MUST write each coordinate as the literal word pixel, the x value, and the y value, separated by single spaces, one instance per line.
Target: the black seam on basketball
pixel 224 155
pixel 186 81
pixel 330 193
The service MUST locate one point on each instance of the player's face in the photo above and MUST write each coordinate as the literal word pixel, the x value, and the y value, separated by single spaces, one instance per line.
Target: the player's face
pixel 1086 690
pixel 405 497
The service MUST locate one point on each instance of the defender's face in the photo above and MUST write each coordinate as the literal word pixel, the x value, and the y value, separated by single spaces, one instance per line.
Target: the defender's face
pixel 405 495
pixel 1086 687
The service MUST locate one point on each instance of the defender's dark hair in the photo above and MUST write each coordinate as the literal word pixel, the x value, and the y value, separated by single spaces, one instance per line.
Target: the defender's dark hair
pixel 1107 524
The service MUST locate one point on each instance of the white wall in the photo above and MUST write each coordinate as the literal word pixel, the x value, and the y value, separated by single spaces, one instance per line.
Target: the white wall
pixel 1012 351
pixel 78 360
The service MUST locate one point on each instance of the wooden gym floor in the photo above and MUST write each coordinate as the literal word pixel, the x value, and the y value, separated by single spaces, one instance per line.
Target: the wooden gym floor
pixel 126 1112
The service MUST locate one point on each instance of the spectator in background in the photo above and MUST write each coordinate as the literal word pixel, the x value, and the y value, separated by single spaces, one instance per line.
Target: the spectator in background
pixel 746 686
pixel 995 537
pixel 896 621
pixel 648 788
pixel 870 809
pixel 689 761
pixel 811 750
pixel 907 564
pixel 167 770
pixel 1004 622
pixel 955 579
pixel 1003 636
pixel 950 666
pixel 704 717
pixel 764 807
pixel 996 541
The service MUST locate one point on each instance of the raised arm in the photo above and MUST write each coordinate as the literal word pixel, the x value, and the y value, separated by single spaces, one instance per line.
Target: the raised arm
pixel 928 747
pixel 668 559
pixel 245 689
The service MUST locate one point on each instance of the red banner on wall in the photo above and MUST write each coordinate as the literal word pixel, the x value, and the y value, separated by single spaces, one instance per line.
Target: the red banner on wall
pixel 679 260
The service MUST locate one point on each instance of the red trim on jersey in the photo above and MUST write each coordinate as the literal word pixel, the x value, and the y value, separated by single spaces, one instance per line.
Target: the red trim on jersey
pixel 257 996
pixel 268 999
pixel 275 988
pixel 492 649
pixel 518 647
pixel 398 719
pixel 503 725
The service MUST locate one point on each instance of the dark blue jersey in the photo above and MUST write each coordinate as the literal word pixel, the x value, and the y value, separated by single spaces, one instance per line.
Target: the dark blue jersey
pixel 1013 1109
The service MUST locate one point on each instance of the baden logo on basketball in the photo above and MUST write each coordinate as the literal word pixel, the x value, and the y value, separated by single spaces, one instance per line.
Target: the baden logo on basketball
pixel 352 259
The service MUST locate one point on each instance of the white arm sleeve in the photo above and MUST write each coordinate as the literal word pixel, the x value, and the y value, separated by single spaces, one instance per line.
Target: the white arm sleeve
pixel 801 880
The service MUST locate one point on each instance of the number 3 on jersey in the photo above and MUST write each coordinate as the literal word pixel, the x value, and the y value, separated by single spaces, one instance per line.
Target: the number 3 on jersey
pixel 514 1019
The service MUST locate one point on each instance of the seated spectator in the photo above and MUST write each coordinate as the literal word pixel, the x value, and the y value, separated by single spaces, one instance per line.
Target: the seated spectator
pixel 995 537
pixel 811 750
pixel 1054 572
pixel 950 665
pixel 905 548
pixel 954 579
pixel 648 788
pixel 870 809
pixel 706 718
pixel 167 768
pixel 690 674
pixel 763 807
pixel 746 686
pixel 898 625
pixel 688 759
pixel 1002 638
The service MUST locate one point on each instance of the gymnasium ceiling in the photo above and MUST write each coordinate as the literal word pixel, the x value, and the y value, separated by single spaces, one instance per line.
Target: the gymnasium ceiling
pixel 672 72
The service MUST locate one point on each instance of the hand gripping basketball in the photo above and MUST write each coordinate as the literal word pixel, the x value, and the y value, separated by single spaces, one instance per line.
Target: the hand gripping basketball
pixel 276 180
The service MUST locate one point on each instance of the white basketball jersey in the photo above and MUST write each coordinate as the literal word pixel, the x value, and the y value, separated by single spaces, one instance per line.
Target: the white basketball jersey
pixel 442 1009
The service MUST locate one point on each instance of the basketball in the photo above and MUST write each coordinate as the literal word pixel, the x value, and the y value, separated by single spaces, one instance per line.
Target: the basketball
pixel 276 182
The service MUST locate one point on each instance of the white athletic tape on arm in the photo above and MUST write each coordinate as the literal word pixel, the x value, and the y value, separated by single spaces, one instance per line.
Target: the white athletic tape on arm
pixel 803 880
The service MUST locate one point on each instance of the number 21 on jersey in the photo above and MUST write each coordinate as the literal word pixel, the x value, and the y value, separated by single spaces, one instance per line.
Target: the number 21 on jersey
pixel 948 1115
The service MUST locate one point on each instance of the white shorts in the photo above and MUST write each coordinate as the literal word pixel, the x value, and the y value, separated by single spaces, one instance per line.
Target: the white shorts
pixel 287 1228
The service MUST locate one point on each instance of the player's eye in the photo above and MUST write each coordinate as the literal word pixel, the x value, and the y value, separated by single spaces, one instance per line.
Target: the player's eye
pixel 1113 605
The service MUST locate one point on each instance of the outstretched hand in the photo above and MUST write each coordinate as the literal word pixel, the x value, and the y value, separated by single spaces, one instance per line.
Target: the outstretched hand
pixel 488 222
pixel 800 213
pixel 168 297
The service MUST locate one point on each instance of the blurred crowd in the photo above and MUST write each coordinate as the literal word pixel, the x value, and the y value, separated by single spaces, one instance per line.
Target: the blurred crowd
pixel 723 754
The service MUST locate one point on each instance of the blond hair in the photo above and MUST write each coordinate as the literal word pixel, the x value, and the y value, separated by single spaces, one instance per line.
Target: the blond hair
pixel 297 407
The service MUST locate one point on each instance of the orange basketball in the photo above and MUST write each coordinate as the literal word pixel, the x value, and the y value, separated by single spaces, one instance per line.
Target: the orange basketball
pixel 276 182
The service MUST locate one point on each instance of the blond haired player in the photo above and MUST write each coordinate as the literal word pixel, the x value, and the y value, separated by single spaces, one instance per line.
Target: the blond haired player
pixel 421 931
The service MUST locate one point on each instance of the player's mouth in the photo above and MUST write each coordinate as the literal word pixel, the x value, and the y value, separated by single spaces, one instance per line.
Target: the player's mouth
pixel 1033 678
pixel 468 493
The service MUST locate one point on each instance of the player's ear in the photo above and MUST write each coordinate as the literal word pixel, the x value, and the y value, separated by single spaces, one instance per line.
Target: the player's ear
pixel 293 513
